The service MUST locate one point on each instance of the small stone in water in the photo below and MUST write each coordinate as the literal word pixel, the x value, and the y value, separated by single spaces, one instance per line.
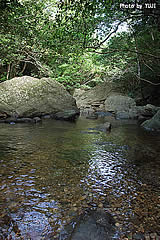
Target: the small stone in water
pixel 153 235
pixel 117 224
pixel 75 209
pixel 138 236
pixel 100 205
pixel 147 237
pixel 83 197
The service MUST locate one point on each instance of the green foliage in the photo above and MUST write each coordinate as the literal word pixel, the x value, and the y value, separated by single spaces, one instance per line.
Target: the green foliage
pixel 3 77
pixel 79 71
pixel 58 39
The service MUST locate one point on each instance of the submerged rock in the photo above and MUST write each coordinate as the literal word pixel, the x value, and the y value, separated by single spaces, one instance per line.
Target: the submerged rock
pixel 104 114
pixel 122 115
pixel 98 225
pixel 23 120
pixel 66 115
pixel 37 119
pixel 104 127
pixel 92 116
pixel 92 132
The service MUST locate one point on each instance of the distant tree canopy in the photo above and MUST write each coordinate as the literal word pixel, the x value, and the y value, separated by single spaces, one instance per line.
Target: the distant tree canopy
pixel 75 41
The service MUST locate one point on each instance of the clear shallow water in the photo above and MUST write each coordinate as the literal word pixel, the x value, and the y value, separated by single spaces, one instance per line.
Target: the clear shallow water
pixel 51 172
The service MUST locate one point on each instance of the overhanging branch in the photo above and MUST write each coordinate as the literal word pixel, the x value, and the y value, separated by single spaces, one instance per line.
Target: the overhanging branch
pixel 127 50
pixel 33 59
pixel 114 31
pixel 145 80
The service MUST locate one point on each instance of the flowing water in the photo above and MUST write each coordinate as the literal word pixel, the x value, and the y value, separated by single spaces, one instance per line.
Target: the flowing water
pixel 54 171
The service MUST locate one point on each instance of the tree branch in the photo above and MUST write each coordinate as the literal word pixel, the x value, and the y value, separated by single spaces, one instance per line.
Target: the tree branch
pixel 114 31
pixel 128 50
pixel 35 62
pixel 24 67
pixel 148 66
pixel 145 80
pixel 108 36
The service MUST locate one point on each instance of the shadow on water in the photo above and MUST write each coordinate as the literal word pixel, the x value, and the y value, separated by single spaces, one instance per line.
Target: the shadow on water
pixel 57 174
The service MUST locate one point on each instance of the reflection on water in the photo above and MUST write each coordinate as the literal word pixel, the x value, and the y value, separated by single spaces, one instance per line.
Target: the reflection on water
pixel 51 172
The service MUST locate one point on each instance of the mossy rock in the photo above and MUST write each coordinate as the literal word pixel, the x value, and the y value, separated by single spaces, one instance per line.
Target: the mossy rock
pixel 28 97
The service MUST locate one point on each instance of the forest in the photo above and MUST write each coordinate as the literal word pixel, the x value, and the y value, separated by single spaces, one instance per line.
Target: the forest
pixel 82 43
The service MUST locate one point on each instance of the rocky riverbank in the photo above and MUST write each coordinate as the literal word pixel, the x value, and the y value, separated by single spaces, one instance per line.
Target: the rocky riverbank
pixel 28 100
pixel 103 100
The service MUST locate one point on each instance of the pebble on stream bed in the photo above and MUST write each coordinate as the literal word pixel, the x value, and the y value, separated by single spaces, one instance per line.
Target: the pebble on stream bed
pixel 141 236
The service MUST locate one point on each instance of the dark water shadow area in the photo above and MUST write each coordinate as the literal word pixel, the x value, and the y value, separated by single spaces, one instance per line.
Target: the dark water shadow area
pixel 55 173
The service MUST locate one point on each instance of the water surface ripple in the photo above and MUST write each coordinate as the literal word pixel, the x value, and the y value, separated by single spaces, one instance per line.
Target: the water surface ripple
pixel 51 172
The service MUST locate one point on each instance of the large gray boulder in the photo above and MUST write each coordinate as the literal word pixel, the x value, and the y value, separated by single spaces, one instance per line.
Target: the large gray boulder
pixel 115 103
pixel 93 99
pixel 28 97
pixel 124 107
pixel 153 123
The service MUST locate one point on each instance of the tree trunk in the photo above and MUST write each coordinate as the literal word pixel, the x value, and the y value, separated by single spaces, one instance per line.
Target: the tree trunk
pixel 138 67
pixel 8 70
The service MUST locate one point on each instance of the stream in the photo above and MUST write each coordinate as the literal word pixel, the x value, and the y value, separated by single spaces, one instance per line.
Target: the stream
pixel 53 173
